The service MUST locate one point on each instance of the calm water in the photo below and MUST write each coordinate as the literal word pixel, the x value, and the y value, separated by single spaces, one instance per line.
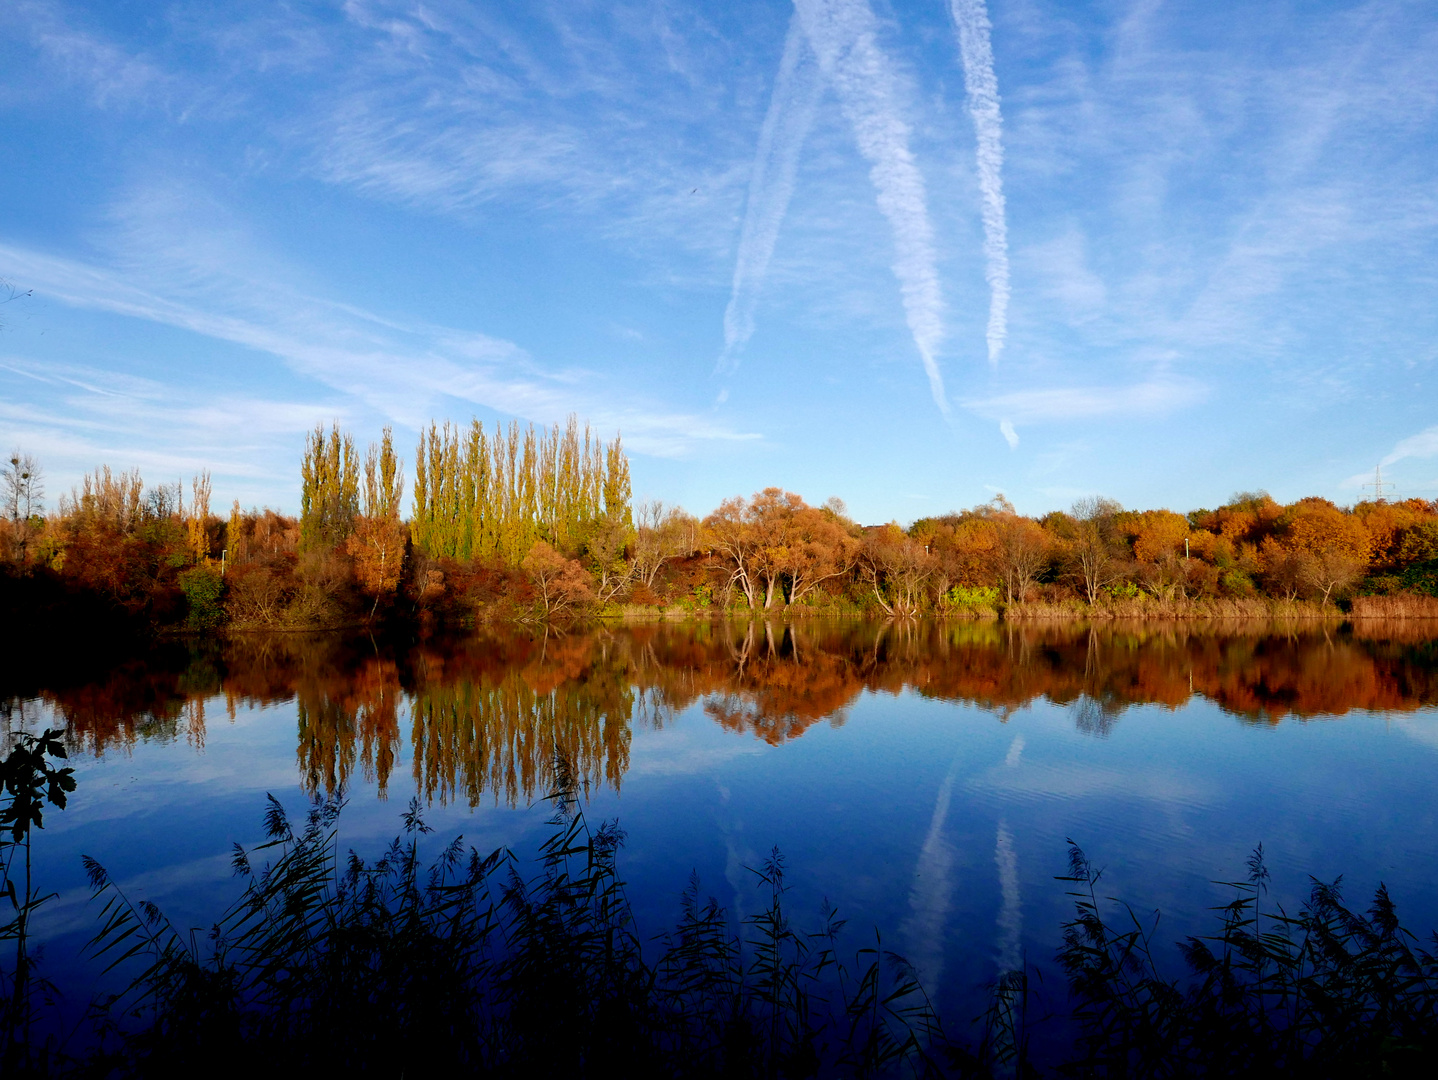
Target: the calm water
pixel 923 777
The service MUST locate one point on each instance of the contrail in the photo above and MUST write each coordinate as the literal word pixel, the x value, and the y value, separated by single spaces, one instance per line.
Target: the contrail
pixel 1011 917
pixel 977 53
pixel 844 36
pixel 797 91
pixel 932 888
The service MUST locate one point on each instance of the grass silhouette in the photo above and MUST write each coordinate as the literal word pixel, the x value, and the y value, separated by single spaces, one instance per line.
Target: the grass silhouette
pixel 493 965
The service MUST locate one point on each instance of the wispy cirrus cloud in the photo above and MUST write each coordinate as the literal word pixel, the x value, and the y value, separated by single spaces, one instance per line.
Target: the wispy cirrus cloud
pixel 583 112
pixel 844 35
pixel 167 267
pixel 109 73
pixel 982 86
pixel 1153 397
pixel 1422 445
pixel 75 418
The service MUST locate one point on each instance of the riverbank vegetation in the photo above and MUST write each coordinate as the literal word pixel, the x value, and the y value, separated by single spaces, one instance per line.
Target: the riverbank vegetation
pixel 540 524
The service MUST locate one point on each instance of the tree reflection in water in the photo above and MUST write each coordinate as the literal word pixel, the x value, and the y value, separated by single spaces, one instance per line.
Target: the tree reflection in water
pixel 488 713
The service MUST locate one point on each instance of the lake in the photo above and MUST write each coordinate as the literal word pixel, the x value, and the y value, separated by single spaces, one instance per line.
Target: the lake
pixel 924 777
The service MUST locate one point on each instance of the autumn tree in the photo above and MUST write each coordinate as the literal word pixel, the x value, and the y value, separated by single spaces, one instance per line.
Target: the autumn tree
pixel 1316 549
pixel 234 535
pixel 1338 543
pixel 776 539
pixel 377 542
pixel 897 568
pixel 1331 570
pixel 560 584
pixel 197 521
pixel 820 548
pixel 24 495
pixel 1158 544
pixel 489 497
pixel 1022 548
pixel 105 501
pixel 606 555
pixel 329 488
pixel 729 532
pixel 1388 523
pixel 1093 557
pixel 663 533
pixel 772 513
pixel 1419 543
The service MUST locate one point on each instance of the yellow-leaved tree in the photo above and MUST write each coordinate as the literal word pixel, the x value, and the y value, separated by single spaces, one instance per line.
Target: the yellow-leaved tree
pixel 377 541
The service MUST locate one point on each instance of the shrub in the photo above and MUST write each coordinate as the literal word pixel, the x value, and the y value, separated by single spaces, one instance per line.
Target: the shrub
pixel 976 599
pixel 203 588
pixel 1421 577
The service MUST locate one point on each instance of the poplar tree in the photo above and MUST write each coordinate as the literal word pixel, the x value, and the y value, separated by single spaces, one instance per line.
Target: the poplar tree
pixel 492 497
pixel 329 490
pixel 617 494
pixel 377 541
pixel 197 521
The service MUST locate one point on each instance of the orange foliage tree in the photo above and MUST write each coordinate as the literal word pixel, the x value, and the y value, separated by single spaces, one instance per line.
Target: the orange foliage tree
pixel 1023 550
pixel 560 584
pixel 897 568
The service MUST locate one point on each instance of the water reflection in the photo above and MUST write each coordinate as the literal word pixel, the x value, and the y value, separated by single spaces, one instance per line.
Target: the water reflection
pixel 490 713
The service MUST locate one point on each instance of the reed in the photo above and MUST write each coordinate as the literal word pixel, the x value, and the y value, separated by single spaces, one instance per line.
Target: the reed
pixel 1153 607
pixel 328 961
pixel 407 964
pixel 1328 992
pixel 1396 606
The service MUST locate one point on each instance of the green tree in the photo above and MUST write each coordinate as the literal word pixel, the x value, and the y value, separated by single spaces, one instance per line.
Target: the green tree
pixel 329 491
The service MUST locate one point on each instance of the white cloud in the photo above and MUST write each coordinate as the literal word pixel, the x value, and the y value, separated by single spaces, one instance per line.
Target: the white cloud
pixel 1153 397
pixel 75 418
pixel 1062 264
pixel 1006 429
pixel 976 50
pixel 797 90
pixel 844 34
pixel 1422 445
pixel 110 73
pixel 404 372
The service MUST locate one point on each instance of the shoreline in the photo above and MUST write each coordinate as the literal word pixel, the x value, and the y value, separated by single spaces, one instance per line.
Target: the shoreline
pixel 1361 608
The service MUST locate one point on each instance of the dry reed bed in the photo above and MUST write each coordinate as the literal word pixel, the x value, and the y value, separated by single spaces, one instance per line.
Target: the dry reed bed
pixel 1398 606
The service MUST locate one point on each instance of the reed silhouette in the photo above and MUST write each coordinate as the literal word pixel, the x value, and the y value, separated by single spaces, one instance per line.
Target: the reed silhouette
pixel 493 964
pixel 395 964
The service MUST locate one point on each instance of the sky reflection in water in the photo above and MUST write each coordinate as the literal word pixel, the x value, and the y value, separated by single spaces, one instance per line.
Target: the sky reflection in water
pixel 923 777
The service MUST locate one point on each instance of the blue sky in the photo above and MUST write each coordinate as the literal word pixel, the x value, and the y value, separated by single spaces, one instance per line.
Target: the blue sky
pixel 906 253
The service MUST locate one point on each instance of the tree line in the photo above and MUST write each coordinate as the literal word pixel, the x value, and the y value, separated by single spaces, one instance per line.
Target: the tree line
pixel 539 523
